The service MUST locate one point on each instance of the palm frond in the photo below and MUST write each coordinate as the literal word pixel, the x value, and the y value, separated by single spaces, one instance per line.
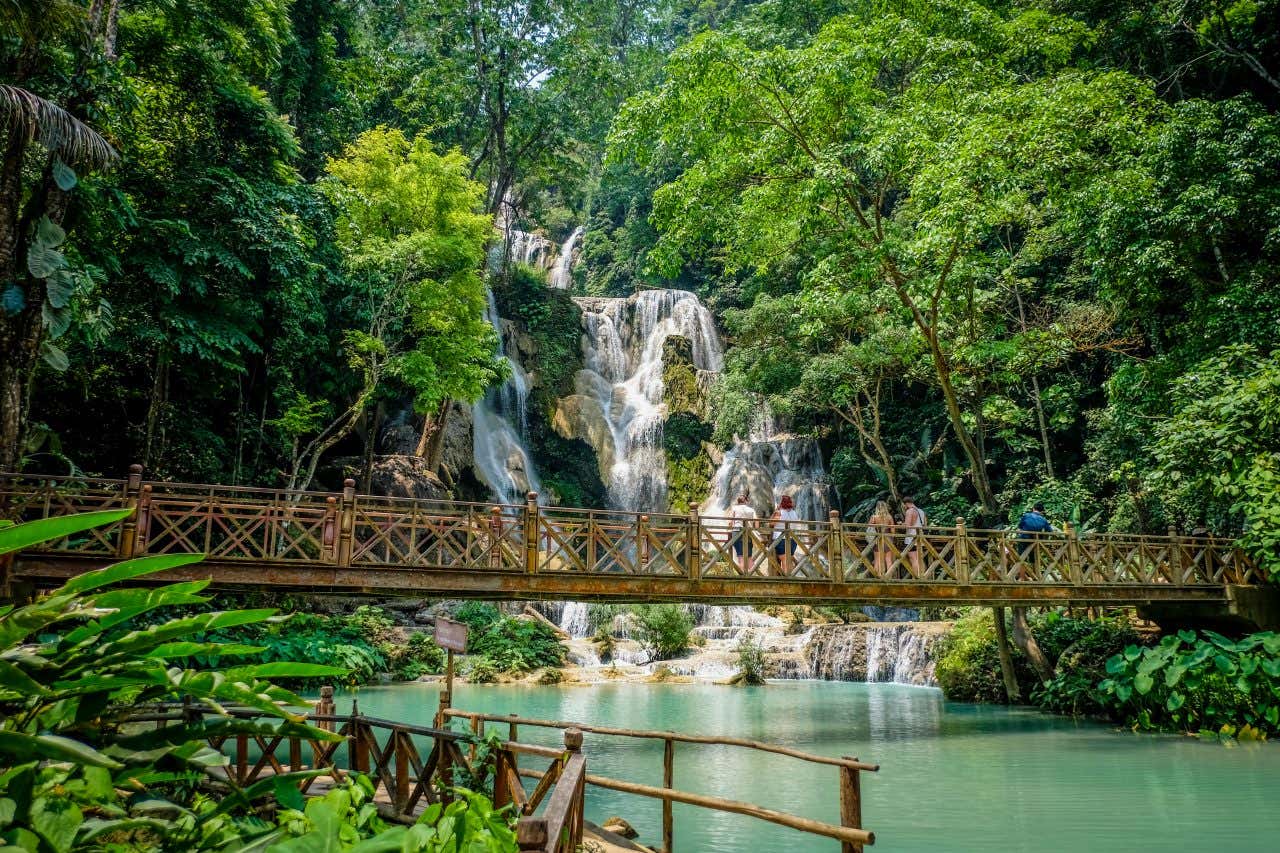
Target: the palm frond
pixel 26 113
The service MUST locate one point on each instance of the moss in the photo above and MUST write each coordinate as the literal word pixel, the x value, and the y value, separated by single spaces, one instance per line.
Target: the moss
pixel 688 481
pixel 680 378
pixel 550 324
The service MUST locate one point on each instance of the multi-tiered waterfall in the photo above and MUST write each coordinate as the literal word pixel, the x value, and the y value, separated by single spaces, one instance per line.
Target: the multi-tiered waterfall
pixel 619 407
pixel 621 386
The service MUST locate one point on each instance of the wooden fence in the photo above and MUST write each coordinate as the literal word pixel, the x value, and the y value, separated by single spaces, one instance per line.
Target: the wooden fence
pixel 850 833
pixel 406 778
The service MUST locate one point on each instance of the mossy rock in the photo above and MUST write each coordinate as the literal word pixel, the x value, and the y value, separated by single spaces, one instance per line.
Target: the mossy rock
pixel 680 378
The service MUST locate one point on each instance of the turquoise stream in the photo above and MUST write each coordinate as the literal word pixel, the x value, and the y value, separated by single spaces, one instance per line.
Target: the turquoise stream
pixel 953 778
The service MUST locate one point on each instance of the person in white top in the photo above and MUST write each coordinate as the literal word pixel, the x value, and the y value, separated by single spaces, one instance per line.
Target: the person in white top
pixel 743 516
pixel 913 518
pixel 784 540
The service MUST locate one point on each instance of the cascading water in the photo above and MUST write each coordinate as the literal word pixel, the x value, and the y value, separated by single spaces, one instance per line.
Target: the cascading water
pixel 622 348
pixel 501 457
pixel 561 277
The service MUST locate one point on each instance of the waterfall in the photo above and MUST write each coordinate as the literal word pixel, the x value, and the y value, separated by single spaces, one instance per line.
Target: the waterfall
pixel 573 619
pixel 561 276
pixel 898 653
pixel 767 468
pixel 622 348
pixel 500 419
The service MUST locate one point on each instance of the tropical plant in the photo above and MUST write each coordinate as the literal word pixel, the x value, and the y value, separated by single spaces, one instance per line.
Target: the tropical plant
pixel 517 645
pixel 663 630
pixel 1193 682
pixel 75 665
pixel 751 661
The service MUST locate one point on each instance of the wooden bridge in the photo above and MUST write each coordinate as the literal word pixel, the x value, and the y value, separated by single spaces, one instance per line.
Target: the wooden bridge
pixel 349 543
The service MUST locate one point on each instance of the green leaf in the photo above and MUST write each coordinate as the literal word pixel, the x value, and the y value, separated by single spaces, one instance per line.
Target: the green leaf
pixel 56 821
pixel 23 536
pixel 1142 682
pixel 14 679
pixel 49 233
pixel 1188 637
pixel 54 356
pixel 13 300
pixel 59 287
pixel 1175 701
pixel 22 746
pixel 288 795
pixel 1224 664
pixel 127 570
pixel 1132 653
pixel 63 175
pixel 55 320
pixel 44 261
pixel 1116 665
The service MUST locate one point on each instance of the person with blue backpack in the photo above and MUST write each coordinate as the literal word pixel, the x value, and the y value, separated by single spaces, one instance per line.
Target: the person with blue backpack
pixel 1033 521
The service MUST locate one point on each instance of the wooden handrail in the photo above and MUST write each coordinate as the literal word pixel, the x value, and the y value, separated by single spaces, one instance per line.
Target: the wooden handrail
pixel 713 740
pixel 849 833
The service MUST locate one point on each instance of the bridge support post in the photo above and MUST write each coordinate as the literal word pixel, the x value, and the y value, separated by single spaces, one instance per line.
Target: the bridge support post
pixel 642 541
pixel 693 546
pixel 347 522
pixel 531 533
pixel 128 542
pixel 961 552
pixel 1075 565
pixel 835 547
pixel 1175 557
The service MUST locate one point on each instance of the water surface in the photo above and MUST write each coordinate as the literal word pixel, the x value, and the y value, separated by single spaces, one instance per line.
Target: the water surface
pixel 954 778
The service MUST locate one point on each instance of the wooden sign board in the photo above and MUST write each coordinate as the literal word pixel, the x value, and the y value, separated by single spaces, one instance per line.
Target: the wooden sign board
pixel 451 635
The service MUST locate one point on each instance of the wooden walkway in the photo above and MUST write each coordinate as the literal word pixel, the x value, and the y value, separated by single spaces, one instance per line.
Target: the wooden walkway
pixel 349 543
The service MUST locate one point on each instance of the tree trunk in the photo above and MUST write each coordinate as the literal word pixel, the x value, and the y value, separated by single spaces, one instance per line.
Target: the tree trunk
pixel 431 442
pixel 1026 641
pixel 1012 693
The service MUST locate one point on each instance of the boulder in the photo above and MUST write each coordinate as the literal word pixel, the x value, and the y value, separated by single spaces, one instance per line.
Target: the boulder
pixel 579 416
pixel 618 826
pixel 406 477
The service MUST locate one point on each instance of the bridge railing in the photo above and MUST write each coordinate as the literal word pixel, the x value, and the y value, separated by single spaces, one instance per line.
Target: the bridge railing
pixel 238 524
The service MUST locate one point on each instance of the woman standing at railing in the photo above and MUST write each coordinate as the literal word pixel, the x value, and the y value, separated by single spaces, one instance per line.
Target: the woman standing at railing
pixel 743 515
pixel 879 527
pixel 784 540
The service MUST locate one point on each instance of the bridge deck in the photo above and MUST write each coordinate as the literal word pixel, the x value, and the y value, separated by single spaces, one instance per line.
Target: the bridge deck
pixel 392 546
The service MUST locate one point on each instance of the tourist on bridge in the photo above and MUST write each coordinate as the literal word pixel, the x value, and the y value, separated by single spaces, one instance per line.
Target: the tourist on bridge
pixel 879 527
pixel 914 520
pixel 784 540
pixel 1033 521
pixel 743 516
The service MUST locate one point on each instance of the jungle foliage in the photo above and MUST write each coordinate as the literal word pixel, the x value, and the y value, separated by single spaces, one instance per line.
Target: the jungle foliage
pixel 75 775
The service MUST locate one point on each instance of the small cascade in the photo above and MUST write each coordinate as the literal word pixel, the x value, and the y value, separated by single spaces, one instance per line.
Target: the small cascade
pixel 561 277
pixel 573 619
pixel 768 467
pixel 501 458
pixel 898 653
pixel 622 346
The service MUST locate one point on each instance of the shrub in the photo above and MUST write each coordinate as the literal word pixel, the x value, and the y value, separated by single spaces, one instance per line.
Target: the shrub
pixel 477 615
pixel 482 670
pixel 1202 683
pixel 663 630
pixel 518 645
pixel 1081 665
pixel 605 644
pixel 418 657
pixel 76 666
pixel 968 664
pixel 751 663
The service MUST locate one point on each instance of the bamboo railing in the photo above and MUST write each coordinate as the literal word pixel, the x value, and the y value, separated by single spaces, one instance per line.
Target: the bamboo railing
pixel 850 833
pixel 374 540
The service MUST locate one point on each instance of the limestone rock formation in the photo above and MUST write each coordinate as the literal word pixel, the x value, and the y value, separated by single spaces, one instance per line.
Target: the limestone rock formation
pixel 582 417
pixel 406 477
